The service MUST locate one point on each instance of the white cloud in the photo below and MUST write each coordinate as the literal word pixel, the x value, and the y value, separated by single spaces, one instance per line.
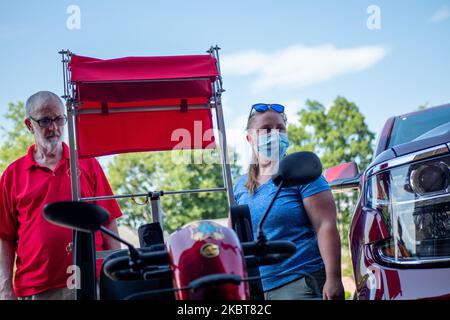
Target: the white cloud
pixel 299 66
pixel 440 15
pixel 244 62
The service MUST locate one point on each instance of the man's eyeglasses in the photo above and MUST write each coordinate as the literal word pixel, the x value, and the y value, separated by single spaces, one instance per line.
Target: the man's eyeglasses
pixel 47 122
pixel 263 107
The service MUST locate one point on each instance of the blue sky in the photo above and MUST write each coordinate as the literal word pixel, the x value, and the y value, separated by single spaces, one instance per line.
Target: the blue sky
pixel 272 51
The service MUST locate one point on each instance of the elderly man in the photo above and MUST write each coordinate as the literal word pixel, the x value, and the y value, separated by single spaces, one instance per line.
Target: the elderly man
pixel 43 250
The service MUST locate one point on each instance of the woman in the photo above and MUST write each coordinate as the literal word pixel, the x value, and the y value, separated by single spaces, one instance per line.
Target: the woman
pixel 305 215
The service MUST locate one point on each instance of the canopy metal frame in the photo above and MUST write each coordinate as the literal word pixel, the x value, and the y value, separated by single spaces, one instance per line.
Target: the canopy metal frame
pixel 86 240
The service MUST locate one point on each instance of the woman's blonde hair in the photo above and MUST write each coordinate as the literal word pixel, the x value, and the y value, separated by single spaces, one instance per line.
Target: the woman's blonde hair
pixel 253 170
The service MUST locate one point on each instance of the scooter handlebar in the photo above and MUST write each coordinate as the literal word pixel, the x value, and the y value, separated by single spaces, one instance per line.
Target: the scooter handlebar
pixel 123 268
pixel 267 252
pixel 154 264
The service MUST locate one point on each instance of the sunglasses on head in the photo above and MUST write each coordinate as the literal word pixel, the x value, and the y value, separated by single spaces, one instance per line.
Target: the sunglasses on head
pixel 263 107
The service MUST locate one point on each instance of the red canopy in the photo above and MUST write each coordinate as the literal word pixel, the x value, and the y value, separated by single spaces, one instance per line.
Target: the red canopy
pixel 118 99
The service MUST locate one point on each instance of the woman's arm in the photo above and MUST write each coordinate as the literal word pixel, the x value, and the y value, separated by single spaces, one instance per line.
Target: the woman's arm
pixel 321 211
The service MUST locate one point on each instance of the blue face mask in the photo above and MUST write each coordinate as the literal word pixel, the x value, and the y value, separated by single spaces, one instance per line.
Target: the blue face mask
pixel 273 146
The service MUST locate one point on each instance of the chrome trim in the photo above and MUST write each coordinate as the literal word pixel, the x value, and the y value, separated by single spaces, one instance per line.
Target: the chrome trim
pixel 423 198
pixel 415 156
pixel 410 263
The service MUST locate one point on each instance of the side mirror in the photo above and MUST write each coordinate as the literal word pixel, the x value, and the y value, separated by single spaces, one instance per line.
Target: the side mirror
pixel 297 169
pixel 343 177
pixel 87 217
pixel 81 216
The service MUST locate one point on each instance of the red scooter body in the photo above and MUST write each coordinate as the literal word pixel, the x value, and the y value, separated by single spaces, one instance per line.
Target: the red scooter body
pixel 203 248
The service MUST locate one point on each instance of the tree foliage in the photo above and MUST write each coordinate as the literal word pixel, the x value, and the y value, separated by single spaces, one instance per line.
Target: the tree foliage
pixel 17 140
pixel 338 134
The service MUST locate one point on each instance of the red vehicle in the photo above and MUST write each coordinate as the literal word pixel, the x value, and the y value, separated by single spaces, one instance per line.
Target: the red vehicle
pixel 400 230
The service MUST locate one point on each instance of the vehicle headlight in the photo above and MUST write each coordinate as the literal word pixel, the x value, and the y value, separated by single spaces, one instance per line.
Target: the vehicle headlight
pixel 430 177
pixel 414 200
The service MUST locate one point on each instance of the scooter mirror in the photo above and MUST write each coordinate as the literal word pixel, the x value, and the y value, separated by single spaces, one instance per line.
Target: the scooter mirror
pixel 294 170
pixel 87 217
pixel 297 169
pixel 81 216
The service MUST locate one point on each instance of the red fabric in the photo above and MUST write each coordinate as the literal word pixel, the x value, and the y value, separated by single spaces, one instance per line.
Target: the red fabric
pixel 129 92
pixel 136 71
pixel 142 68
pixel 25 188
pixel 143 131
pixel 97 86
pixel 138 103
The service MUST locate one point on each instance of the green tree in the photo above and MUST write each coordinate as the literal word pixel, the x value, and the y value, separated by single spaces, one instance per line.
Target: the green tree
pixel 16 141
pixel 338 134
pixel 143 172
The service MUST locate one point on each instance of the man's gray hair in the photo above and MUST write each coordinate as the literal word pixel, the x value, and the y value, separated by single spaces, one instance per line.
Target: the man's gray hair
pixel 39 99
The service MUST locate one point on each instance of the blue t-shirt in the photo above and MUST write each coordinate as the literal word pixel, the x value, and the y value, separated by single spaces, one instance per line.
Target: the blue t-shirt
pixel 287 220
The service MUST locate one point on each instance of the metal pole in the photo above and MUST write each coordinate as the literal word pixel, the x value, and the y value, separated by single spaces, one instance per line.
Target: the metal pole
pixel 84 244
pixel 74 176
pixel 226 169
pixel 63 57
pixel 216 55
pixel 157 214
pixel 150 194
pixel 224 155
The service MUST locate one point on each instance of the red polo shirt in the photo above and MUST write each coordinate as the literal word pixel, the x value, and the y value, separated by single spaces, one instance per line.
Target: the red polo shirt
pixel 25 187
